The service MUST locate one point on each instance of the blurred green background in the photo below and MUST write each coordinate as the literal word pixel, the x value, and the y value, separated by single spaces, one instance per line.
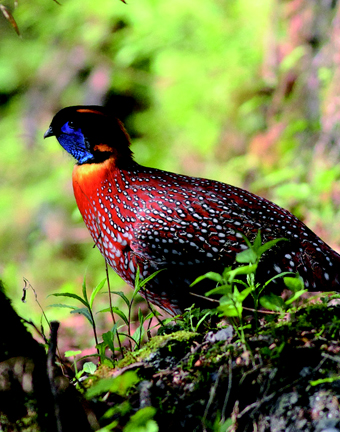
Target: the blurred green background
pixel 235 90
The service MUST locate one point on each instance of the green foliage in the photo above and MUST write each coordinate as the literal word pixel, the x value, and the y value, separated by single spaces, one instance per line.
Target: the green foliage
pixel 119 385
pixel 234 290
pixel 89 368
pixel 108 338
pixel 142 421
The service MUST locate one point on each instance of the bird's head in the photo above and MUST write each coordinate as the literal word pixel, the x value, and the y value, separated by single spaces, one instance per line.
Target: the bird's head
pixel 91 134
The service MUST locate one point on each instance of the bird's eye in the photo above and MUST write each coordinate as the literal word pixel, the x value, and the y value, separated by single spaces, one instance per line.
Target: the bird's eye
pixel 71 124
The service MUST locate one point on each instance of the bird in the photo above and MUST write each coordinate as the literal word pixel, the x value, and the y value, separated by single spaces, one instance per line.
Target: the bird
pixel 145 220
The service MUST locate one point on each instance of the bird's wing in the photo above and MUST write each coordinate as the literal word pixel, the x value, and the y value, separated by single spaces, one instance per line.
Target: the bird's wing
pixel 183 237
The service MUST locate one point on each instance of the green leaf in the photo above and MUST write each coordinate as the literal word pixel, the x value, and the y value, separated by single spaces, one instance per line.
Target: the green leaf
pixel 118 312
pixel 123 296
pixel 295 284
pixel 222 289
pixel 244 294
pixel 295 296
pixel 241 270
pixel 89 368
pixel 258 241
pixel 272 302
pixel 84 290
pixel 101 347
pixel 108 339
pixel 72 353
pixel 120 385
pixel 280 275
pixel 85 312
pixel 96 291
pixel 269 245
pixel 75 296
pixel 140 316
pixel 229 307
pixel 247 256
pixel 210 275
pixel 148 279
pixel 61 305
pixel 142 421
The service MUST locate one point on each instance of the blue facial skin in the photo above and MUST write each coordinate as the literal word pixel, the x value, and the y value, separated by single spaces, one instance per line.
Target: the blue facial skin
pixel 72 140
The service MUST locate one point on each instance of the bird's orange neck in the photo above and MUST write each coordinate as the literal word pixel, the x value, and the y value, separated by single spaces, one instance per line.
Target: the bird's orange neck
pixel 88 177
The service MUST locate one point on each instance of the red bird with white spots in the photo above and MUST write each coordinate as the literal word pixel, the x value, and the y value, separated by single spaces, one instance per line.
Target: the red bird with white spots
pixel 152 219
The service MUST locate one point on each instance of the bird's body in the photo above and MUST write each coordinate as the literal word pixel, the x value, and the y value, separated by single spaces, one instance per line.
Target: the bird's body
pixel 152 219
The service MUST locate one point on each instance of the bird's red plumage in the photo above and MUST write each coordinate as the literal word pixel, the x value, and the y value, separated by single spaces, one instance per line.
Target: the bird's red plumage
pixel 155 219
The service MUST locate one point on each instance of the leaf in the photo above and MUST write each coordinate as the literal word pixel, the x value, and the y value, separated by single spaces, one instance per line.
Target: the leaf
pixel 96 291
pixel 123 296
pixel 9 17
pixel 247 256
pixel 222 289
pixel 295 284
pixel 269 245
pixel 244 294
pixel 108 339
pixel 142 421
pixel 75 296
pixel 138 335
pixel 119 385
pixel 251 268
pixel 210 275
pixel 258 241
pixel 101 347
pixel 280 275
pixel 148 279
pixel 295 296
pixel 72 353
pixel 84 290
pixel 118 312
pixel 272 302
pixel 61 305
pixel 140 316
pixel 229 307
pixel 85 312
pixel 89 368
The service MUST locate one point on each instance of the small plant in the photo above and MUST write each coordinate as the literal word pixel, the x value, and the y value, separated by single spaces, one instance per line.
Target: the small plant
pixel 88 367
pixel 235 290
pixel 108 338
pixel 87 311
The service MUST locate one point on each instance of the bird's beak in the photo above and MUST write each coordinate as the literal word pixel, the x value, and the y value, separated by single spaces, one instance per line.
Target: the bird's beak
pixel 49 132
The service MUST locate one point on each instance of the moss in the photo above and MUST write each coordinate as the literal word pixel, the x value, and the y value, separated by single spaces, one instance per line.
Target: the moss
pixel 156 343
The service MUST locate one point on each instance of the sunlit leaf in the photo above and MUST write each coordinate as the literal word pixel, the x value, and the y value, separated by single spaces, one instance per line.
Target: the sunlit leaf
pixel 269 245
pixel 123 296
pixel 272 302
pixel 294 283
pixel 85 312
pixel 118 312
pixel 295 296
pixel 89 368
pixel 246 256
pixel 108 339
pixel 210 275
pixel 70 295
pixel 96 291
pixel 71 353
